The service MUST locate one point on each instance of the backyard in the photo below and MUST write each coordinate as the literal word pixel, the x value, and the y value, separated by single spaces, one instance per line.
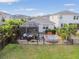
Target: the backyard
pixel 16 51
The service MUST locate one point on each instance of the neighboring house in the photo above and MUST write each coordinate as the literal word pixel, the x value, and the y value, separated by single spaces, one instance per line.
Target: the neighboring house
pixel 44 23
pixel 17 16
pixel 4 15
pixel 57 20
pixel 65 17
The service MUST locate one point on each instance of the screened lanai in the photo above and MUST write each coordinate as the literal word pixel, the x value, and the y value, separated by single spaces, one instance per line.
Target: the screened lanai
pixel 30 28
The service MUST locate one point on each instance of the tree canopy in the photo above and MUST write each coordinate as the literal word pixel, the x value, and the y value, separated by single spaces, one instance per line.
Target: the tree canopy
pixel 66 31
pixel 10 28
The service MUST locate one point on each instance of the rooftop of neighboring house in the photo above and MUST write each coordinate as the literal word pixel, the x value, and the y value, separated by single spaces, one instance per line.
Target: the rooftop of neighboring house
pixel 66 12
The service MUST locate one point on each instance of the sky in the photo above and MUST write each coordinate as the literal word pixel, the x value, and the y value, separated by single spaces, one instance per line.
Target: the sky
pixel 38 7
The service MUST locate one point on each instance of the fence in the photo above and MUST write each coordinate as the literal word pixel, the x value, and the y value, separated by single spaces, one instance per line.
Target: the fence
pixel 3 43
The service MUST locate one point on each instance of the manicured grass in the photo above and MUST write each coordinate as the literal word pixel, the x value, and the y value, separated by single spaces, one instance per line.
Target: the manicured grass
pixel 15 51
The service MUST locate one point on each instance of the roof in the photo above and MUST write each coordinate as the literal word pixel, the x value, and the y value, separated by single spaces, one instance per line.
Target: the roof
pixel 36 21
pixel 42 20
pixel 66 12
pixel 30 24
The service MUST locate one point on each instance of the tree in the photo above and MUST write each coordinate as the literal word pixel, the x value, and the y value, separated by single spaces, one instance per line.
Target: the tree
pixel 11 29
pixel 66 31
pixel 14 22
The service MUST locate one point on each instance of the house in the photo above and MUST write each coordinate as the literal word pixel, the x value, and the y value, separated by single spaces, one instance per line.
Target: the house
pixel 65 17
pixel 37 25
pixel 43 23
pixel 58 20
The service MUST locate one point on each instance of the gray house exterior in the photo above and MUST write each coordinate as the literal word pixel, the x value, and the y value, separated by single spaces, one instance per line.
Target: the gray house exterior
pixel 37 25
pixel 43 23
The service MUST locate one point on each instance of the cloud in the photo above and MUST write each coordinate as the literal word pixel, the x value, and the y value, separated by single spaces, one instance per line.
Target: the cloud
pixel 5 11
pixel 72 9
pixel 70 4
pixel 30 9
pixel 9 2
pixel 26 9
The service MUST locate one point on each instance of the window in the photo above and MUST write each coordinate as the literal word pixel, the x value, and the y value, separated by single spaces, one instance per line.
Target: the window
pixel 76 17
pixel 45 27
pixel 61 17
pixel 61 25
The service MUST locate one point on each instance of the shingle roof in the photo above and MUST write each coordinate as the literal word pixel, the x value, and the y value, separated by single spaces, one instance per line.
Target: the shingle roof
pixel 30 24
pixel 66 12
pixel 43 20
pixel 38 20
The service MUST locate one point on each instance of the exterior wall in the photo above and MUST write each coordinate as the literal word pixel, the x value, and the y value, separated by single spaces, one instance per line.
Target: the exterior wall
pixel 51 26
pixel 41 29
pixel 45 22
pixel 67 19
pixel 64 19
pixel 55 19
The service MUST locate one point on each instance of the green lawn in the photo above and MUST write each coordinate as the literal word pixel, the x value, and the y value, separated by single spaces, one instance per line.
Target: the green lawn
pixel 15 51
